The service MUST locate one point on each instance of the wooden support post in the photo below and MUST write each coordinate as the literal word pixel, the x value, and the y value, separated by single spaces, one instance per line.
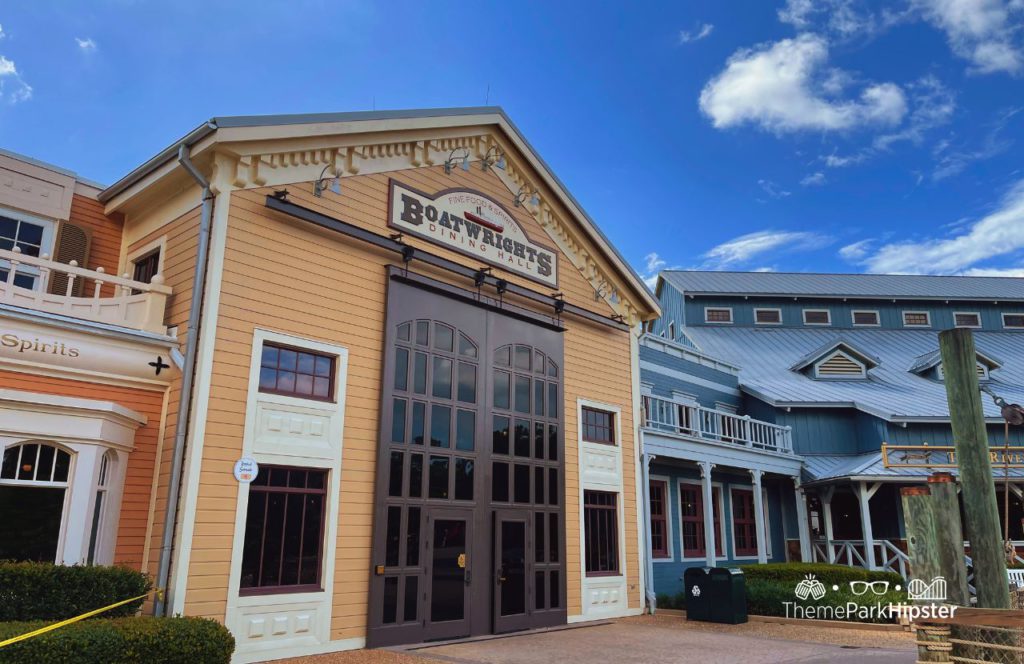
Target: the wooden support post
pixel 949 537
pixel 826 513
pixel 864 494
pixel 959 362
pixel 919 516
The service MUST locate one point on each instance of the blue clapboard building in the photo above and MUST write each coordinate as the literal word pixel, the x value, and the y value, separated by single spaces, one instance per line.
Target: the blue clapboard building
pixel 787 410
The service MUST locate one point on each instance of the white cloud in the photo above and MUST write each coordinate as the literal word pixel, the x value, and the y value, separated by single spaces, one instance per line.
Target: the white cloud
pixel 772 189
pixel 653 265
pixel 933 104
pixel 686 36
pixel 841 18
pixel 745 248
pixel 840 161
pixel 13 88
pixel 995 272
pixel 87 45
pixel 999 233
pixel 954 159
pixel 855 251
pixel 780 87
pixel 983 32
pixel 813 179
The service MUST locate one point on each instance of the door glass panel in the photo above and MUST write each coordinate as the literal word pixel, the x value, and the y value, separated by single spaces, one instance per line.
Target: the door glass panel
pixel 538 362
pixel 538 537
pixel 412 540
pixel 466 347
pixel 398 421
pixel 503 356
pixel 395 479
pixel 463 479
pixel 411 597
pixel 538 440
pixel 422 330
pixel 390 600
pixel 419 414
pixel 552 369
pixel 419 373
pixel 465 430
pixel 538 485
pixel 442 387
pixel 403 331
pixel 538 397
pixel 501 387
pixel 522 358
pixel 521 483
pixel 522 448
pixel 513 568
pixel 440 426
pixel 394 536
pixel 448 588
pixel 499 483
pixel 444 337
pixel 499 440
pixel 552 486
pixel 522 394
pixel 467 382
pixel 554 589
pixel 401 369
pixel 415 475
pixel 552 400
pixel 438 477
pixel 553 539
pixel 538 589
pixel 553 442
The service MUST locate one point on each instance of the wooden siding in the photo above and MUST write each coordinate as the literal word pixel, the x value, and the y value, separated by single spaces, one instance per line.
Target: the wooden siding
pixel 293 278
pixel 104 234
pixel 138 483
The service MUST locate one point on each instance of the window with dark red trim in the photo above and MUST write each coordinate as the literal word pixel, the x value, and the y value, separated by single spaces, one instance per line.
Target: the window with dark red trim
pixel 598 426
pixel 296 372
pixel 601 533
pixel 691 510
pixel 147 267
pixel 744 524
pixel 659 519
pixel 284 531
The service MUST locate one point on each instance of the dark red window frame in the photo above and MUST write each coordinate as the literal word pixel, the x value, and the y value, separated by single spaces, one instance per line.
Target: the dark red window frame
pixel 744 522
pixel 695 493
pixel 659 519
pixel 598 426
pixel 270 365
pixel 146 267
pixel 601 533
pixel 277 483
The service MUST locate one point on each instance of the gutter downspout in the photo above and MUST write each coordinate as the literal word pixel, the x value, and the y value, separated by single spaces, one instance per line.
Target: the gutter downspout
pixel 187 378
pixel 645 461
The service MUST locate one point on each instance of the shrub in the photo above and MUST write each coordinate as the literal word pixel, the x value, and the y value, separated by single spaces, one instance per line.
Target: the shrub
pixel 44 591
pixel 768 598
pixel 677 601
pixel 122 641
pixel 794 573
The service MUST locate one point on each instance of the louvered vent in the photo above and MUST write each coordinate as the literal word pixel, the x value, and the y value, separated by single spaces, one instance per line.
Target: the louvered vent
pixel 72 245
pixel 840 366
pixel 979 368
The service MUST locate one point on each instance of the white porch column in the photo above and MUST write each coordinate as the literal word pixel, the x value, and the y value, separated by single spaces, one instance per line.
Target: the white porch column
pixel 806 555
pixel 762 545
pixel 864 494
pixel 709 512
pixel 826 513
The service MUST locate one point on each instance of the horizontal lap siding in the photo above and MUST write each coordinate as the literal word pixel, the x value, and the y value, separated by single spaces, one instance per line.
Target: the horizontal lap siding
pixel 138 482
pixel 104 235
pixel 293 278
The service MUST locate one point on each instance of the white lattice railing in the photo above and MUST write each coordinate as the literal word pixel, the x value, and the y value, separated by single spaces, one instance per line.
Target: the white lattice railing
pixel 715 425
pixel 133 304
pixel 851 553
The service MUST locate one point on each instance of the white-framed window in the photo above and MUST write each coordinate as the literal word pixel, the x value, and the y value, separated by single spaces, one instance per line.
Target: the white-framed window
pixel 967 319
pixel 743 521
pixel 99 511
pixel 718 315
pixel 672 331
pixel 767 316
pixel 839 365
pixel 865 318
pixel 917 319
pixel 1013 321
pixel 817 317
pixel 692 525
pixel 32 235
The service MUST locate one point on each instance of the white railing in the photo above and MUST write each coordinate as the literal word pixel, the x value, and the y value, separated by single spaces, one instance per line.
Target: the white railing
pixel 888 556
pixel 133 304
pixel 715 425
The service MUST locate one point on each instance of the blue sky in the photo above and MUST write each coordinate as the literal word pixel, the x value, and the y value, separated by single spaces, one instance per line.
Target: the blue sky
pixel 817 135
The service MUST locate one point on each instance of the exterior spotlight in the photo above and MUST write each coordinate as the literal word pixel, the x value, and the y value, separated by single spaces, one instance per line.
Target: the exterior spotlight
pixel 501 285
pixel 324 183
pixel 480 276
pixel 408 252
pixel 521 197
pixel 493 157
pixel 559 303
pixel 465 163
pixel 501 162
pixel 450 161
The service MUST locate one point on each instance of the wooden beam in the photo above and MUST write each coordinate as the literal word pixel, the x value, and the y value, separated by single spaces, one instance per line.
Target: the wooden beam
pixel 983 617
pixel 949 537
pixel 919 516
pixel 981 513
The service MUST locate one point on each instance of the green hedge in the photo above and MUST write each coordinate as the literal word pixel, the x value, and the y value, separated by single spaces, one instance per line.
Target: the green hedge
pixel 794 573
pixel 121 641
pixel 769 598
pixel 44 591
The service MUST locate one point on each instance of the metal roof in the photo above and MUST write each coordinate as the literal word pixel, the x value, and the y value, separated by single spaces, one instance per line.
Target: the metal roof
pixel 891 391
pixel 820 467
pixel 881 286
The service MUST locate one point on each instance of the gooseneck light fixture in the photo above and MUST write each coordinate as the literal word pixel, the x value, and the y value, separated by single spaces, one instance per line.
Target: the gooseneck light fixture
pixel 450 161
pixel 523 195
pixel 493 157
pixel 323 183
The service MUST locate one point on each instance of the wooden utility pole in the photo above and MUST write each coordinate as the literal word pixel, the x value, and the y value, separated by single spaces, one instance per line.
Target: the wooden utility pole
pixel 959 362
pixel 922 544
pixel 949 535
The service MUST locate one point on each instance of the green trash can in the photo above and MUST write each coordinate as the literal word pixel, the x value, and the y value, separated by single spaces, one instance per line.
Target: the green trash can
pixel 697 586
pixel 727 596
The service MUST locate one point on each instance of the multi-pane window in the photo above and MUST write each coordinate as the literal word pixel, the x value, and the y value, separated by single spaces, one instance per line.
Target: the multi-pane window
pixel 767 316
pixel 598 426
pixel 966 319
pixel 296 373
pixel 601 533
pixel 284 529
pixel 865 318
pixel 1013 320
pixel 916 319
pixel 718 315
pixel 28 237
pixel 691 509
pixel 659 519
pixel 817 317
pixel 744 523
pixel 147 267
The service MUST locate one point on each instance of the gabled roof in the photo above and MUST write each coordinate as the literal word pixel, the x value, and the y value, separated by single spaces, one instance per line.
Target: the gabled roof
pixel 930 360
pixel 867 359
pixel 307 126
pixel 863 286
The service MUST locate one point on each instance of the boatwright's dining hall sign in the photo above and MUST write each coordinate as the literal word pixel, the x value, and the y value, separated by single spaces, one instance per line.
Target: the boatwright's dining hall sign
pixel 473 224
pixel 944 456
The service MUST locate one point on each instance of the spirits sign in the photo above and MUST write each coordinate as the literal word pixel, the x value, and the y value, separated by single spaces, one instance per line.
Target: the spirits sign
pixel 944 456
pixel 473 224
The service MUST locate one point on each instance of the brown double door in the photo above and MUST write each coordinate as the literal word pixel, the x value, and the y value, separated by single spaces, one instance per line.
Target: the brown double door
pixel 469 513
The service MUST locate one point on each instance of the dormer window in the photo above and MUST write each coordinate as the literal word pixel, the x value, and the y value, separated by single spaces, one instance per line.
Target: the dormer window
pixel 839 365
pixel 719 315
pixel 917 319
pixel 768 316
pixel 966 319
pixel 979 368
pixel 817 317
pixel 865 318
pixel 929 366
pixel 1013 321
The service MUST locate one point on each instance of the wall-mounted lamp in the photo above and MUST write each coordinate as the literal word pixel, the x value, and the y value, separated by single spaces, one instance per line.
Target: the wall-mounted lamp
pixel 559 303
pixel 501 285
pixel 480 276
pixel 408 253
pixel 522 196
pixel 323 183
pixel 450 161
pixel 493 157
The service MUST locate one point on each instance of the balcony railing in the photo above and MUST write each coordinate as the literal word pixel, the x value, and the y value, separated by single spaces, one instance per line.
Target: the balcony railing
pixel 126 302
pixel 715 425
